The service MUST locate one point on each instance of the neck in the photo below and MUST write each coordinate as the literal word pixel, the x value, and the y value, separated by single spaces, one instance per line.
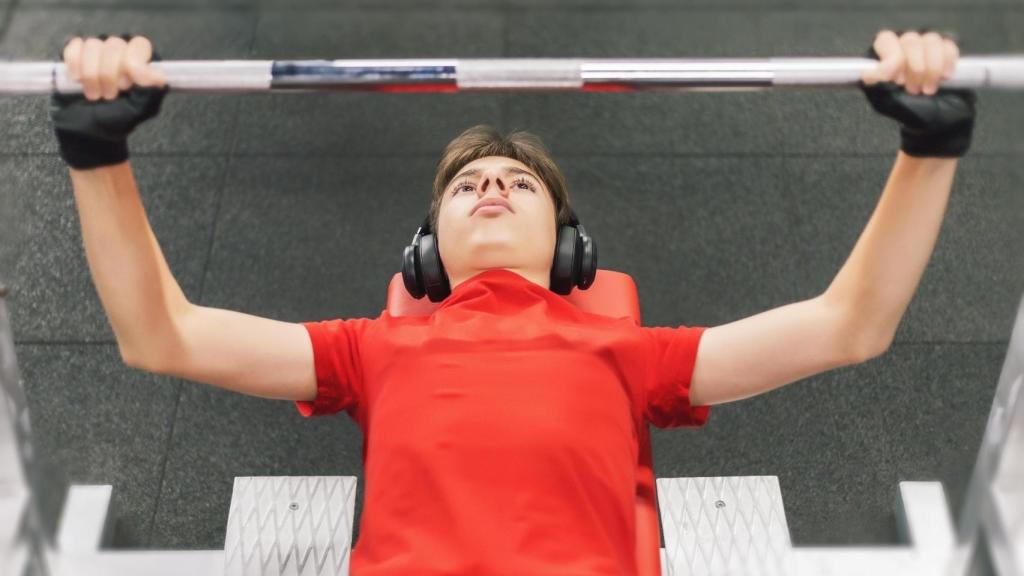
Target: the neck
pixel 540 278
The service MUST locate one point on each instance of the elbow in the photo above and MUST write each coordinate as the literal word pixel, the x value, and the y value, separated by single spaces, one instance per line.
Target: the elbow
pixel 868 347
pixel 134 358
pixel 859 336
pixel 130 358
pixel 152 351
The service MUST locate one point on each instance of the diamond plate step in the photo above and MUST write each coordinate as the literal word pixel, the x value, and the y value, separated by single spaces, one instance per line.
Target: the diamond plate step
pixel 725 525
pixel 290 526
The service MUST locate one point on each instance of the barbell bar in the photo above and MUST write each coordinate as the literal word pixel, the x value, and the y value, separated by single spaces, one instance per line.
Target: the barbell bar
pixel 1003 71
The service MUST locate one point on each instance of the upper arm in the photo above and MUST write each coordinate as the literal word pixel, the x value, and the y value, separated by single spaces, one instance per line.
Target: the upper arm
pixel 776 347
pixel 670 356
pixel 240 352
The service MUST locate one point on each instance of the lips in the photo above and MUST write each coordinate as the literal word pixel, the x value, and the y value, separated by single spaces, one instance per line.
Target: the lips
pixel 491 202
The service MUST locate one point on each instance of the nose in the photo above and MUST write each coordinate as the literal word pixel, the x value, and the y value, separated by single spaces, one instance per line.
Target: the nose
pixel 492 179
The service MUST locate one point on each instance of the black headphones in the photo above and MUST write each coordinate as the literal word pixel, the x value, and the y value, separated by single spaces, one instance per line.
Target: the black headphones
pixel 575 262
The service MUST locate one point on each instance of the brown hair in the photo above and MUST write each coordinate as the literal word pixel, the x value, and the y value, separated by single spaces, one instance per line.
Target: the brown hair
pixel 484 140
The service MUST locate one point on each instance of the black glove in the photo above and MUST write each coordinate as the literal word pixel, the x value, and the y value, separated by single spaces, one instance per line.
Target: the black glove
pixel 95 133
pixel 939 125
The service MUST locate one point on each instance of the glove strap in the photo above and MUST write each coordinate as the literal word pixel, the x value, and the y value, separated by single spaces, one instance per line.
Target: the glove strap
pixel 83 153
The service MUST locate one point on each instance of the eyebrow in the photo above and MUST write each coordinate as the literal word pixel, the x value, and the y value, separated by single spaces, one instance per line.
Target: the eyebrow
pixel 508 170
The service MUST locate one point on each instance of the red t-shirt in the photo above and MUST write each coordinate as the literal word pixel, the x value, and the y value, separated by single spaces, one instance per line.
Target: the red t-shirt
pixel 500 432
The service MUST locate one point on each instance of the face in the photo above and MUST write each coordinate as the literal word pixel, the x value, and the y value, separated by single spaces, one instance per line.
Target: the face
pixel 519 237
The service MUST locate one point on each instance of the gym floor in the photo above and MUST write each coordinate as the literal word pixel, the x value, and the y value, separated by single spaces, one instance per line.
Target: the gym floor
pixel 297 207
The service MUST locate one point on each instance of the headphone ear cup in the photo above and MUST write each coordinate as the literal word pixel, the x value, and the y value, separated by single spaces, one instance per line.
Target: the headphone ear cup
pixel 564 265
pixel 435 279
pixel 410 273
pixel 588 263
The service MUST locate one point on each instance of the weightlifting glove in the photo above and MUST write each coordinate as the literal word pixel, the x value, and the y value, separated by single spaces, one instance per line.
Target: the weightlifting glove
pixel 93 133
pixel 938 125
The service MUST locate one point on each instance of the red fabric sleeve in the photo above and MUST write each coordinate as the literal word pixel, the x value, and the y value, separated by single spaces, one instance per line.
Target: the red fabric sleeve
pixel 336 356
pixel 672 357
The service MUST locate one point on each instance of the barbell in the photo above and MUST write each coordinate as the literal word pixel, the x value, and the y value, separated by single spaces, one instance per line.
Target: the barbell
pixel 1001 71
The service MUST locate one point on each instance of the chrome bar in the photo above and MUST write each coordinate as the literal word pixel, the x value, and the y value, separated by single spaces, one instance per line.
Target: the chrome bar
pixel 515 74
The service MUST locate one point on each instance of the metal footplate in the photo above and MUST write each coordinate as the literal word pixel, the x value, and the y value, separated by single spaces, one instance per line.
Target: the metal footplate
pixel 715 526
pixel 290 526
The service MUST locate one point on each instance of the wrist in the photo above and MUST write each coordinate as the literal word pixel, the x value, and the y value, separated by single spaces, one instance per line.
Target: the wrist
pixel 953 143
pixel 82 152
pixel 924 163
pixel 97 170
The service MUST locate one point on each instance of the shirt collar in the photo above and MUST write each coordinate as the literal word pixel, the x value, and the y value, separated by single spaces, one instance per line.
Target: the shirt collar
pixel 496 290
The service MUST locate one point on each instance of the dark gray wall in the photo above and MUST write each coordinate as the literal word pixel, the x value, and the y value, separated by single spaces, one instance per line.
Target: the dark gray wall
pixel 296 207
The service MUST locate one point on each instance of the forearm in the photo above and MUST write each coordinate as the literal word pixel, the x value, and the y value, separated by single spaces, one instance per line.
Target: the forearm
pixel 879 278
pixel 134 283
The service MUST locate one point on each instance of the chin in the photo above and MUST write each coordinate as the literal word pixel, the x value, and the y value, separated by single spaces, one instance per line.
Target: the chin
pixel 492 239
pixel 493 256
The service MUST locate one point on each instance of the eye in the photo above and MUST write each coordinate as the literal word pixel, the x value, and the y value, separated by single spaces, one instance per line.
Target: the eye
pixel 528 185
